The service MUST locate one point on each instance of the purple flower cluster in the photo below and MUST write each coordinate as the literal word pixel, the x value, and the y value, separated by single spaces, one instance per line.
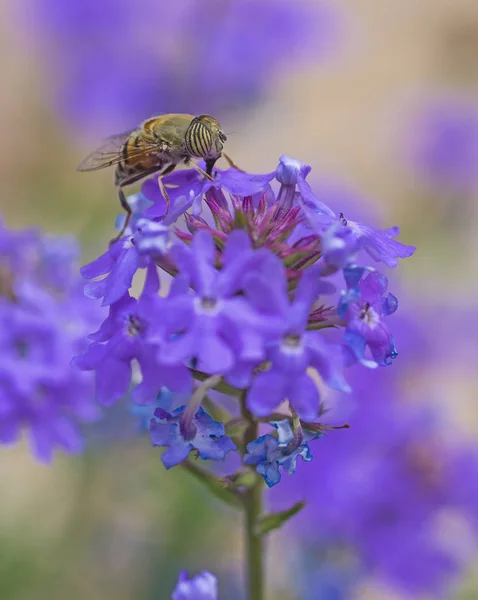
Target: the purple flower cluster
pixel 376 497
pixel 44 320
pixel 250 292
pixel 120 61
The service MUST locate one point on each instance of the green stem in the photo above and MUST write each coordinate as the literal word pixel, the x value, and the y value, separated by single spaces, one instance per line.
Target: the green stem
pixel 253 507
pixel 254 544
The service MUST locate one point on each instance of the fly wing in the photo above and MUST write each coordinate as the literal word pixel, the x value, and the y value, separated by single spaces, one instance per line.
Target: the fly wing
pixel 110 153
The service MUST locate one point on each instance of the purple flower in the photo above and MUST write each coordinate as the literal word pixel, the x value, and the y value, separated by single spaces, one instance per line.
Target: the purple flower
pixel 119 265
pixel 187 188
pixel 200 587
pixel 363 305
pixel 107 84
pixel 132 330
pixel 215 324
pixel 179 437
pixel 44 319
pixel 292 350
pixel 343 237
pixel 114 270
pixel 270 453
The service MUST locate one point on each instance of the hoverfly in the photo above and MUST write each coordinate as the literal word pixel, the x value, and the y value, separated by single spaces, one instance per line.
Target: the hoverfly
pixel 159 145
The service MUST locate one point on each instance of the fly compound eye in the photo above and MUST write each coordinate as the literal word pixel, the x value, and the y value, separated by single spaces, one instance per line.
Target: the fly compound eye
pixel 198 139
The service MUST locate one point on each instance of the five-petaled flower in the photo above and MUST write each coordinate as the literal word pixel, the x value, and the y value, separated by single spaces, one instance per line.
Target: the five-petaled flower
pixel 269 453
pixel 201 433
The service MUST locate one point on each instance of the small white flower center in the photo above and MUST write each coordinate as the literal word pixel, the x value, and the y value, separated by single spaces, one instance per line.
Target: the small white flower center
pixel 369 316
pixel 292 344
pixel 207 305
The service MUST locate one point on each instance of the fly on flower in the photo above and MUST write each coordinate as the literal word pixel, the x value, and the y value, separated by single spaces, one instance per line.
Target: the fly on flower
pixel 158 145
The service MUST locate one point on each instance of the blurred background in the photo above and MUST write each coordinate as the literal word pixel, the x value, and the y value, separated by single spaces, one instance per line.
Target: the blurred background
pixel 381 98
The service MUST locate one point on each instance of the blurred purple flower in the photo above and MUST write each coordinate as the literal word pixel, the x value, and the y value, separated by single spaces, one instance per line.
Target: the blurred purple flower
pixel 378 492
pixel 120 62
pixel 44 319
pixel 444 144
pixel 200 587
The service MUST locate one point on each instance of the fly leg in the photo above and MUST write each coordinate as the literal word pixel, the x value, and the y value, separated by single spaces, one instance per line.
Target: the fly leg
pixel 129 212
pixel 164 191
pixel 203 172
pixel 231 163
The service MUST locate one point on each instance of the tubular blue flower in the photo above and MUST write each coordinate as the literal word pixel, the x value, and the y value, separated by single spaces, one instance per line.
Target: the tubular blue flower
pixel 128 333
pixel 362 306
pixel 44 318
pixel 292 350
pixel 270 453
pixel 200 587
pixel 244 43
pixel 203 434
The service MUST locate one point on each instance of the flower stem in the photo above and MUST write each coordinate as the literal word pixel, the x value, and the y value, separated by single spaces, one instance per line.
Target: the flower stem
pixel 254 543
pixel 253 507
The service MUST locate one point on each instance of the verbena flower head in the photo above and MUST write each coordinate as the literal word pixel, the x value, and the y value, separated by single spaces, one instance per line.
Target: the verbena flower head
pixel 200 587
pixel 255 284
pixel 44 319
pixel 194 56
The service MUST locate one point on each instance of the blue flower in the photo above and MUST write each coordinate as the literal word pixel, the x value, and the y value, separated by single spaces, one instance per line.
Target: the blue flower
pixel 270 453
pixel 200 587
pixel 362 306
pixel 145 413
pixel 202 434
